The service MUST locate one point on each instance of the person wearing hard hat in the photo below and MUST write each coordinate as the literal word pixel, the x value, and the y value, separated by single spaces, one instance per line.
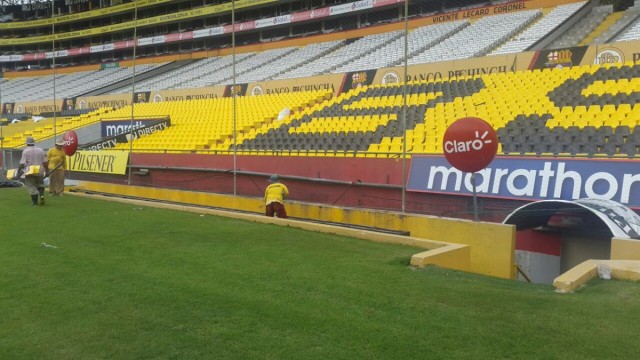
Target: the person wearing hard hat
pixel 274 197
pixel 32 167
pixel 57 164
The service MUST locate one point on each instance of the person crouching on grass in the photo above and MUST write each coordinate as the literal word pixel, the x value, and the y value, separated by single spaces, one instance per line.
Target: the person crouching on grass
pixel 33 164
pixel 274 197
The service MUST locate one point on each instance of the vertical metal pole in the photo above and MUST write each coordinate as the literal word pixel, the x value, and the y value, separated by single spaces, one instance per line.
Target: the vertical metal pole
pixel 1 124
pixel 1 143
pixel 475 197
pixel 233 95
pixel 404 107
pixel 133 87
pixel 53 65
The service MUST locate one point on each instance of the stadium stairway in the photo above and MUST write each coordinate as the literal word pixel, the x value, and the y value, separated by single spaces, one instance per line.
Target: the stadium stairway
pixel 601 28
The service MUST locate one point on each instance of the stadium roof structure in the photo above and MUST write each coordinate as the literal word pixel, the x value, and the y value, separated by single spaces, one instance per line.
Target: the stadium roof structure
pixel 621 221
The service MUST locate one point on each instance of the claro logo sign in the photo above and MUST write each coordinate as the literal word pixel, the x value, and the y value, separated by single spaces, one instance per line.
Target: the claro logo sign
pixel 470 144
pixel 477 144
pixel 532 179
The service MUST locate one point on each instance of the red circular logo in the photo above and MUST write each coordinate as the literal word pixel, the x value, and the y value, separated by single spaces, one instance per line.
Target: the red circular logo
pixel 70 142
pixel 470 144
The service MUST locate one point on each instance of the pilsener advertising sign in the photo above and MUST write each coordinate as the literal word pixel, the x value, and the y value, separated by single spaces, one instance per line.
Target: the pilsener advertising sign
pixel 532 179
pixel 103 162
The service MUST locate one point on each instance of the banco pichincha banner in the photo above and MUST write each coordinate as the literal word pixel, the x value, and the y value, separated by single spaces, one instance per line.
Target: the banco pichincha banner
pixel 37 107
pixel 212 92
pixel 283 86
pixel 458 68
pixel 103 101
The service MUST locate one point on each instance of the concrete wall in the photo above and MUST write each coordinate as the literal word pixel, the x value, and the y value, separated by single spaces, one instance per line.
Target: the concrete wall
pixel 579 247
pixel 625 249
pixel 624 265
pixel 491 246
pixel 538 255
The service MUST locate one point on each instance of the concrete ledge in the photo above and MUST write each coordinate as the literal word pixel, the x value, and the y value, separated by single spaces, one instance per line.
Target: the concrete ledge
pixel 581 274
pixel 452 256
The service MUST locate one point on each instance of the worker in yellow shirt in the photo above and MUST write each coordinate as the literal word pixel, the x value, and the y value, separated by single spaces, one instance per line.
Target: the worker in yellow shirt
pixel 57 164
pixel 274 197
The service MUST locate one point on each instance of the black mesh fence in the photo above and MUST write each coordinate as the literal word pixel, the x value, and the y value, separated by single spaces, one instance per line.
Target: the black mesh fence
pixel 312 90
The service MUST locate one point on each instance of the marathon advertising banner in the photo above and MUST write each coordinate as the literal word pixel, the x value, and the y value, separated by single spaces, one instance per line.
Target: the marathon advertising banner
pixel 558 58
pixel 121 129
pixel 532 179
pixel 103 162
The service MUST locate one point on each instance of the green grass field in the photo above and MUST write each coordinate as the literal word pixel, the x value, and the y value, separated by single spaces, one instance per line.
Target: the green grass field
pixel 127 282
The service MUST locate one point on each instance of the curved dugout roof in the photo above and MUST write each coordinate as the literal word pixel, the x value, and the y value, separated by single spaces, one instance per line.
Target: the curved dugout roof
pixel 621 221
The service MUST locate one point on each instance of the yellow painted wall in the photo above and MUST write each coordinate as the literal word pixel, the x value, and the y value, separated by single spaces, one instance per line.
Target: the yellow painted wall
pixel 491 246
pixel 625 249
pixel 452 256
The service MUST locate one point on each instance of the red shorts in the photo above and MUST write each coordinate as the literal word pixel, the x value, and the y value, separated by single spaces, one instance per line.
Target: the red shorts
pixel 276 208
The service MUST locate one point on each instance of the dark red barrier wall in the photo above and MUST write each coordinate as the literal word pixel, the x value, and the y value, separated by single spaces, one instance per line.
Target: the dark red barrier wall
pixel 350 182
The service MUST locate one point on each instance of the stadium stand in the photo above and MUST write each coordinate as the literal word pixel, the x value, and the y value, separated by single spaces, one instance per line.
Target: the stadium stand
pixel 477 39
pixel 269 70
pixel 66 85
pixel 556 112
pixel 537 31
pixel 585 26
pixel 426 44
pixel 366 121
pixel 616 23
pixel 342 55
pixel 207 124
pixel 392 53
pixel 196 74
pixel 257 63
pixel 45 129
pixel 607 23
pixel 632 32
